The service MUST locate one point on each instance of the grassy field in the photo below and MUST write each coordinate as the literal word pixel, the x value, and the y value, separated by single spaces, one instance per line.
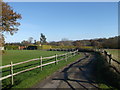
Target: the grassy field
pixel 30 78
pixel 115 53
pixel 23 55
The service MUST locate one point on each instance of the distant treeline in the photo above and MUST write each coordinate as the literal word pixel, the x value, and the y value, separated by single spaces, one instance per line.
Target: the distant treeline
pixel 111 43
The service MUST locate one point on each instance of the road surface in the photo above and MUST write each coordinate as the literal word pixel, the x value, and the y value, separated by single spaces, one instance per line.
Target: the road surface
pixel 75 76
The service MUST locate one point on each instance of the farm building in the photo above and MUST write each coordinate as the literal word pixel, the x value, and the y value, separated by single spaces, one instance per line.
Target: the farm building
pixel 22 47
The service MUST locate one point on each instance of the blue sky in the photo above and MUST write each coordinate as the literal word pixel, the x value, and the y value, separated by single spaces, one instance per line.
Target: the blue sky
pixel 71 20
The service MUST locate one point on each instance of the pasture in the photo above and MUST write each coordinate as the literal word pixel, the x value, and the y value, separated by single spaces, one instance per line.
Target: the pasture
pixel 30 78
pixel 115 53
pixel 23 55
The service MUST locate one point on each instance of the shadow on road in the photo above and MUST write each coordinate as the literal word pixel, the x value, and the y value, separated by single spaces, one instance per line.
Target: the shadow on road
pixel 84 81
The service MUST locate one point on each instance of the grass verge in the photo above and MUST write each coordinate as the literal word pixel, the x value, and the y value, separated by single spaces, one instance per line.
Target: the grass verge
pixel 105 76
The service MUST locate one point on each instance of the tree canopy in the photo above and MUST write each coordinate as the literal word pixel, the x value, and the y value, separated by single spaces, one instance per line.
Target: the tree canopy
pixel 1 40
pixel 30 39
pixel 8 22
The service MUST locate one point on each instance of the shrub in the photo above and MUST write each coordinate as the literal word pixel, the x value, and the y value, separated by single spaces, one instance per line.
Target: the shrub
pixel 63 47
pixel 11 47
pixel 46 47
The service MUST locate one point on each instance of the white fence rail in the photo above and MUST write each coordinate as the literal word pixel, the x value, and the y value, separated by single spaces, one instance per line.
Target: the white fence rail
pixel 67 55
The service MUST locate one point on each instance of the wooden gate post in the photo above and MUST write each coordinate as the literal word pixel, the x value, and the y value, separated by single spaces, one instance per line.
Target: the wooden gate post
pixel 11 72
pixel 41 62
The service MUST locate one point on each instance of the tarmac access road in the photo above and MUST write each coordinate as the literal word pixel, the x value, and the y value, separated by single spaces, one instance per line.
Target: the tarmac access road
pixel 75 76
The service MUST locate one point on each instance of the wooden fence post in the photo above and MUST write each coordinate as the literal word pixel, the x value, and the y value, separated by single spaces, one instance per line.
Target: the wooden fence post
pixel 66 57
pixel 56 62
pixel 110 57
pixel 41 62
pixel 70 54
pixel 105 54
pixel 11 72
pixel 77 51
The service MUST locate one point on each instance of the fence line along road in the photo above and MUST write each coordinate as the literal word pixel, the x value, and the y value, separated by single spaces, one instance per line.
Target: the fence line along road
pixel 115 64
pixel 66 56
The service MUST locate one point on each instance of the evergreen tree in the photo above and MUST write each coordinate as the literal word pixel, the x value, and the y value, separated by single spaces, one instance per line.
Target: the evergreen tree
pixel 43 39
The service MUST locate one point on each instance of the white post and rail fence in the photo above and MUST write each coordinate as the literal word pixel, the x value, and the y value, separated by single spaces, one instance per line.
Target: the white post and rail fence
pixel 40 59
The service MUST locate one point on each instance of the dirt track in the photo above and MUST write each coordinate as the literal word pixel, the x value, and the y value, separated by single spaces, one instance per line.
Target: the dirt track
pixel 77 75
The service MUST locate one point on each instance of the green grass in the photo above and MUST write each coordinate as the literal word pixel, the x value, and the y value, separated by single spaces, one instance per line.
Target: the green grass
pixel 115 53
pixel 30 78
pixel 24 55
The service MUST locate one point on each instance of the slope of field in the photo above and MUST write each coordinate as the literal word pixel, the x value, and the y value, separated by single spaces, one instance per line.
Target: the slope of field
pixel 23 55
pixel 115 53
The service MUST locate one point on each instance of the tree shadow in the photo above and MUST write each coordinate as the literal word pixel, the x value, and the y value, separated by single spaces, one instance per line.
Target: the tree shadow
pixel 87 80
